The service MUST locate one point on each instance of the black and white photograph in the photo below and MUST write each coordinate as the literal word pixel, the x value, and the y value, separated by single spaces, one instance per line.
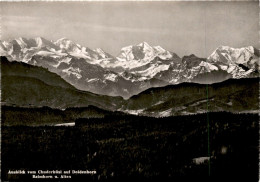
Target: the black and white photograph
pixel 129 90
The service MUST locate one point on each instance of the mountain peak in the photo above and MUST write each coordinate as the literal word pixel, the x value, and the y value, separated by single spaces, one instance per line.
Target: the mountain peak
pixel 62 40
pixel 223 47
pixel 229 55
pixel 65 43
pixel 228 48
pixel 143 44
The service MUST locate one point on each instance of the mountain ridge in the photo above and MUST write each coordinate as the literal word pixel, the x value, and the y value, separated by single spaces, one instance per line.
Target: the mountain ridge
pixel 134 69
pixel 25 85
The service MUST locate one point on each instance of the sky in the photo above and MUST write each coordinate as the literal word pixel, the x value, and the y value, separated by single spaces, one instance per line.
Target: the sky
pixel 181 27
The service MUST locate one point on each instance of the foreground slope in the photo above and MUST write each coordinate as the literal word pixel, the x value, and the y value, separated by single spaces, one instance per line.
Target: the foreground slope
pixel 138 147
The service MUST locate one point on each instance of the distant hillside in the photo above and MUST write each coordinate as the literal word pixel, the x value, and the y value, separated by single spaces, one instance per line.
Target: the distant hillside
pixel 19 69
pixel 235 95
pixel 31 86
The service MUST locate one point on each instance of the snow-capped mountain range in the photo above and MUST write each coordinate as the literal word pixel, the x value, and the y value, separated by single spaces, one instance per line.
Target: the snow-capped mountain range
pixel 135 69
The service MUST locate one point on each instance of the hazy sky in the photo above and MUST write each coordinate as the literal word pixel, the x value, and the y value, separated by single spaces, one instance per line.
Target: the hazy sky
pixel 181 27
